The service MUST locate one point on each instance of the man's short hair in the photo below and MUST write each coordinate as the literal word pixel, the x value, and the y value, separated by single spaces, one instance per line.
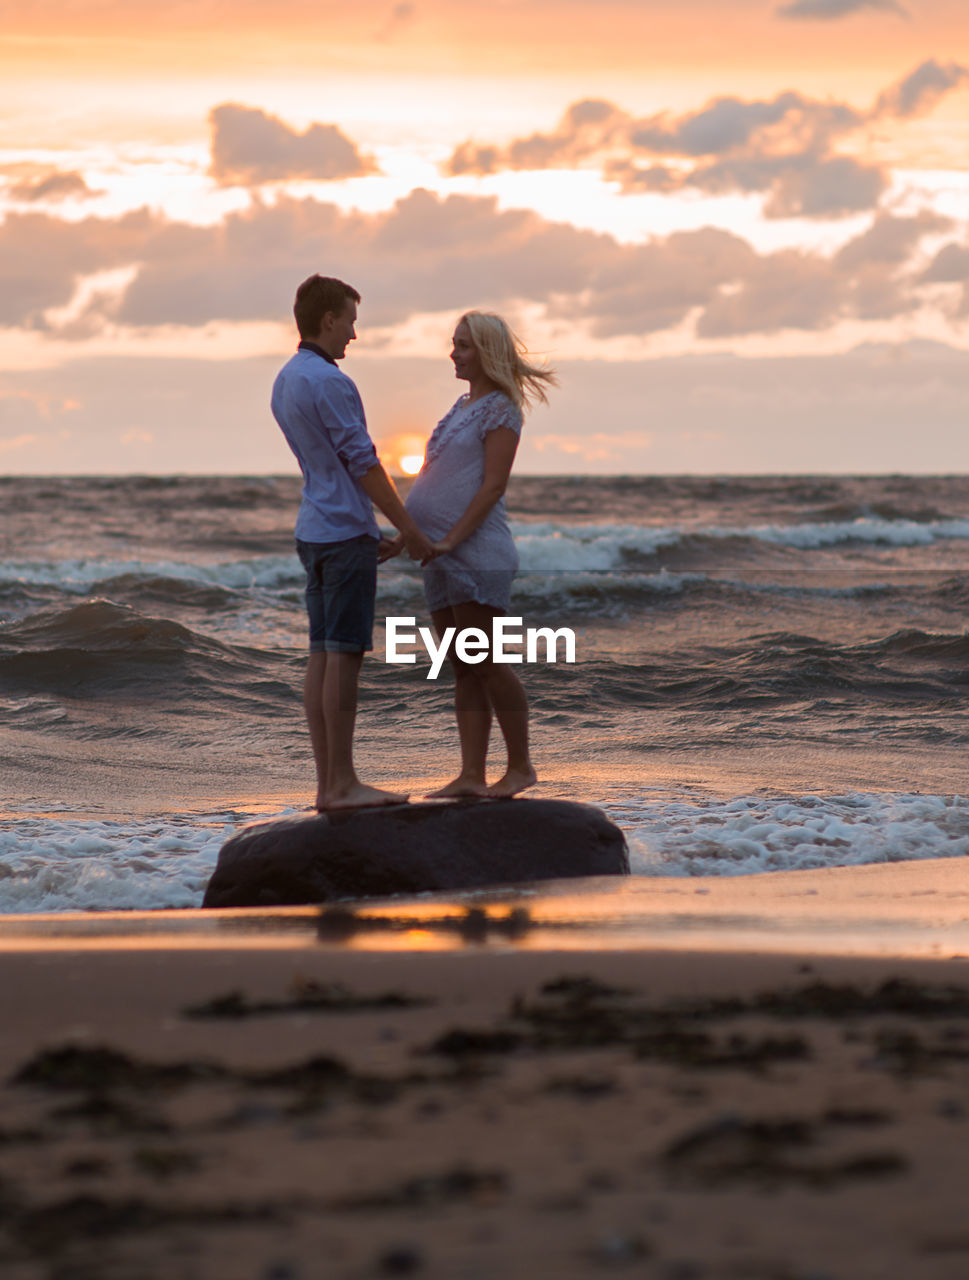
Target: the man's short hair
pixel 315 297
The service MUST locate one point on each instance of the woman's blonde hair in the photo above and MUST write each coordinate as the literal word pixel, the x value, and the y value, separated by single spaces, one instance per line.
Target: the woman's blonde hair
pixel 502 355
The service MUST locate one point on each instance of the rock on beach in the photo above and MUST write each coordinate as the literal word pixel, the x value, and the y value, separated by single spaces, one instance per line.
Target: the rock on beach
pixel 413 848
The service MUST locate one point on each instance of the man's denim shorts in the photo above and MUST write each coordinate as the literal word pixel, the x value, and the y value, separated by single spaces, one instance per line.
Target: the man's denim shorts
pixel 341 587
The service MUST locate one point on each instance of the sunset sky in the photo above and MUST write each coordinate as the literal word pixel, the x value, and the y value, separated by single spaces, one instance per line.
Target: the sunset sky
pixel 738 228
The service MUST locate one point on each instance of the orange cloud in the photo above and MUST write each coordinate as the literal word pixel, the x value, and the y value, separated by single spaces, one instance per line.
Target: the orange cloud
pixel 790 147
pixel 50 187
pixel 251 147
pixel 832 10
pixel 12 443
pixel 430 255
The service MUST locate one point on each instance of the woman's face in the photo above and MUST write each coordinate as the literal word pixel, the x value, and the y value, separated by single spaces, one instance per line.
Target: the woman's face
pixel 467 362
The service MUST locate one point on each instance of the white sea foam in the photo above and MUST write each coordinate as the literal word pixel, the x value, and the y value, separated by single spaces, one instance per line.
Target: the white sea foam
pixel 543 547
pixel 895 533
pixel 549 546
pixel 586 548
pixel 57 863
pixel 79 576
pixel 64 864
pixel 752 834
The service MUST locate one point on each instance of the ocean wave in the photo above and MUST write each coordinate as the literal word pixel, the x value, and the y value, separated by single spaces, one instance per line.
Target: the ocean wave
pixel 221 607
pixel 750 834
pixel 102 649
pixel 908 670
pixel 610 593
pixel 864 529
pixel 848 510
pixel 87 575
pixel 922 646
pixel 549 548
pixel 98 649
pixel 265 617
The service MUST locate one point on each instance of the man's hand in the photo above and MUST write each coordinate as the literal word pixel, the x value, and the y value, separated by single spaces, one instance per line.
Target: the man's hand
pixel 387 548
pixel 419 546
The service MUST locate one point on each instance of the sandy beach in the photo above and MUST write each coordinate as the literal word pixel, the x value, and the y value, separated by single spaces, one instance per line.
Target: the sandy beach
pixel 709 1103
pixel 662 319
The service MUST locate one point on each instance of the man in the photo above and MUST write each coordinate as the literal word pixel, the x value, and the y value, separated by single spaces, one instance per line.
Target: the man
pixel 321 415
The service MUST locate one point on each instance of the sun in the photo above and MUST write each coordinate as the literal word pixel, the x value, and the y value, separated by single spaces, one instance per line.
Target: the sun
pixel 404 452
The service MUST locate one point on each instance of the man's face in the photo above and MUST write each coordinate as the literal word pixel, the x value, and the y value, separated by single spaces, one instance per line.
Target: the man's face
pixel 337 331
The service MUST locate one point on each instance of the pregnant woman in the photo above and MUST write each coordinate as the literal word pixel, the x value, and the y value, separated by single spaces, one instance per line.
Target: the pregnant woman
pixel 458 501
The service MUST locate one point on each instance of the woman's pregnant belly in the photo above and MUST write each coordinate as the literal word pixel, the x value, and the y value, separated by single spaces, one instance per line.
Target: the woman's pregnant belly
pixel 437 507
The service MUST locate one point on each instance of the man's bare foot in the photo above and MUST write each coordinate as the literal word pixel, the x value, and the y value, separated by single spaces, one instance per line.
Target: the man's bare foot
pixel 360 796
pixel 515 780
pixel 458 787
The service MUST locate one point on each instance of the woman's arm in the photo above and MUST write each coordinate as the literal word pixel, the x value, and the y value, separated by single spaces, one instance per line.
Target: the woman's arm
pixel 500 447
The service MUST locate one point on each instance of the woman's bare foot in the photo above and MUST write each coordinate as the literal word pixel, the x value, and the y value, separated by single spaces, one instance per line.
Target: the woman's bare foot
pixel 459 786
pixel 360 796
pixel 515 780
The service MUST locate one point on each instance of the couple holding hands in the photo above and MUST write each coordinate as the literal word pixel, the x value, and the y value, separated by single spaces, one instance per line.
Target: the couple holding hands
pixel 454 524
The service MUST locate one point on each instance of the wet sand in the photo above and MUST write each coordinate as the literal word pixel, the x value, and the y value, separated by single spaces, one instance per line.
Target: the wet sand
pixel 458 1101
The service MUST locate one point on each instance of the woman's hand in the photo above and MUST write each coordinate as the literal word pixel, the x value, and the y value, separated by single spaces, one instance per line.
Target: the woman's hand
pixel 440 548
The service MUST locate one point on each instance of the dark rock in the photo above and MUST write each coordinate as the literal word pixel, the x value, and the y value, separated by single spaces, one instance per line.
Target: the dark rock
pixel 413 848
pixel 402 1260
pixel 459 1043
pixel 433 1190
pixel 307 996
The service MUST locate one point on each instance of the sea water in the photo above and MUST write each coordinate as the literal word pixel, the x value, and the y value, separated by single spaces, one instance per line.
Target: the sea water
pixel 771 674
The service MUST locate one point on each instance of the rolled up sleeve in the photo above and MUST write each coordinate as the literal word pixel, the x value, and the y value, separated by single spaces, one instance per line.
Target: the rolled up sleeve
pixel 342 410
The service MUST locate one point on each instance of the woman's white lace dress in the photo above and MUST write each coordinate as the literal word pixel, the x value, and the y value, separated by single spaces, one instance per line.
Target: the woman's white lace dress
pixel 481 568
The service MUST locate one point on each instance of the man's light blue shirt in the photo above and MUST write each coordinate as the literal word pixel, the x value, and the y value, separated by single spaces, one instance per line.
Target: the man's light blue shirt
pixel 321 415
